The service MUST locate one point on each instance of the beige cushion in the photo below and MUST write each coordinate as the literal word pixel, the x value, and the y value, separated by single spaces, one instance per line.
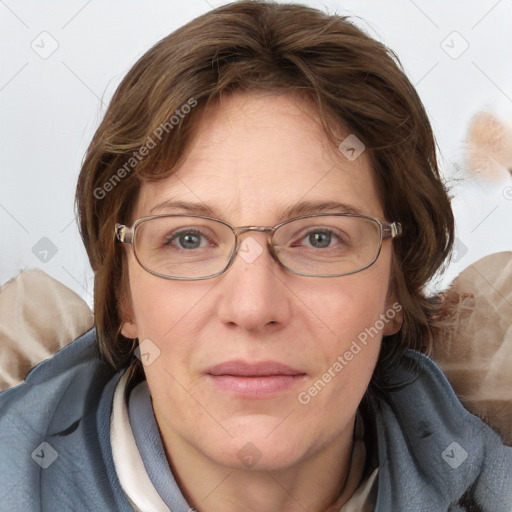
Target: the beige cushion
pixel 476 354
pixel 38 316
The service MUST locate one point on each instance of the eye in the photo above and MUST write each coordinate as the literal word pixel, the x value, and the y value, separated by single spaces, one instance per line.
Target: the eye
pixel 319 239
pixel 188 239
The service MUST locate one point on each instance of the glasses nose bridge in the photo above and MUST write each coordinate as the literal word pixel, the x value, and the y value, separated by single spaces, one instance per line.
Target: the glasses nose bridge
pixel 259 229
pixel 254 229
pixel 238 231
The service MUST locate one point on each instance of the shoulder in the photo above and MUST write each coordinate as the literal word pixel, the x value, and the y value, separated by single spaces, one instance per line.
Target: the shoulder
pixel 431 449
pixel 45 385
pixel 54 433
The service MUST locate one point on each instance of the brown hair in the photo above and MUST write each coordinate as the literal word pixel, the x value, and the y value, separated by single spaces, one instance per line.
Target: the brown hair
pixel 256 45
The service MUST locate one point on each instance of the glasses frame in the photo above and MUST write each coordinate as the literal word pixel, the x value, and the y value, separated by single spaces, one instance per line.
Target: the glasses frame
pixel 127 235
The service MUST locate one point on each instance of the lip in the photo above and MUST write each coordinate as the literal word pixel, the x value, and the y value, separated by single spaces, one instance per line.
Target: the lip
pixel 254 379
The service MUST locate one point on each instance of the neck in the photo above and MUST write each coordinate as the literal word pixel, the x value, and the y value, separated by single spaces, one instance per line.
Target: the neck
pixel 312 483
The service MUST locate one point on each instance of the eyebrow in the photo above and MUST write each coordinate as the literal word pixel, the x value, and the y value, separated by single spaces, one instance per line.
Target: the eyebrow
pixel 288 212
pixel 312 207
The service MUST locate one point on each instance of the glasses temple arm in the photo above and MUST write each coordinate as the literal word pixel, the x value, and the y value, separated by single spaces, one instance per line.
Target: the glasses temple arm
pixel 124 234
pixel 392 230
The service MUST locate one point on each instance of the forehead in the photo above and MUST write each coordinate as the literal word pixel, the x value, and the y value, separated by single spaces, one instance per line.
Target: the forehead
pixel 254 156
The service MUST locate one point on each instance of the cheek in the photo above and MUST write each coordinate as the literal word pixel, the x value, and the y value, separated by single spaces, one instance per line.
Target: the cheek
pixel 172 315
pixel 353 334
pixel 159 304
pixel 346 306
pixel 351 315
pixel 346 355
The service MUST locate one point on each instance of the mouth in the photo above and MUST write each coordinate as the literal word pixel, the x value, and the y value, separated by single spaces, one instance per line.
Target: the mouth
pixel 254 380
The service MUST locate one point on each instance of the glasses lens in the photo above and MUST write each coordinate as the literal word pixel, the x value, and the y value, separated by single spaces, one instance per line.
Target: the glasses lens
pixel 328 245
pixel 183 246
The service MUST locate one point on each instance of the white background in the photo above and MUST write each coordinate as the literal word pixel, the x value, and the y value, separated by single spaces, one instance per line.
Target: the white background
pixel 51 106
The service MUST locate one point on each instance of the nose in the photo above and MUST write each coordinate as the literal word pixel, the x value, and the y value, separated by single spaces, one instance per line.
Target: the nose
pixel 252 294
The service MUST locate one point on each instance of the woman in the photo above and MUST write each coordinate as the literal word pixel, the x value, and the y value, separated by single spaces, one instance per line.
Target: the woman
pixel 262 208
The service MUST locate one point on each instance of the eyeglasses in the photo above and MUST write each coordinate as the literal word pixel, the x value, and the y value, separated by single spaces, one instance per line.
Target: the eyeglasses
pixel 193 247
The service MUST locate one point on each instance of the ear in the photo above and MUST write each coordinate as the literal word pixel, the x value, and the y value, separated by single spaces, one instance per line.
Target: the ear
pixel 394 317
pixel 129 325
pixel 129 330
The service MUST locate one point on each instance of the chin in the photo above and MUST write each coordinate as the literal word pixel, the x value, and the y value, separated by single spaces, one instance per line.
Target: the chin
pixel 252 457
pixel 258 447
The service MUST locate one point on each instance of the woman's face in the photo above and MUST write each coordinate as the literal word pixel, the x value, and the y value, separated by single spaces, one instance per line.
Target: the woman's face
pixel 253 156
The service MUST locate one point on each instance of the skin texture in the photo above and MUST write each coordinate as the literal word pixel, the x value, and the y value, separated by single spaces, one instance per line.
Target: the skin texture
pixel 253 155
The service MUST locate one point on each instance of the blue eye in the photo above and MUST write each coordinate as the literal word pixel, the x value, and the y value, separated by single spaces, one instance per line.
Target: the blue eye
pixel 187 239
pixel 320 239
